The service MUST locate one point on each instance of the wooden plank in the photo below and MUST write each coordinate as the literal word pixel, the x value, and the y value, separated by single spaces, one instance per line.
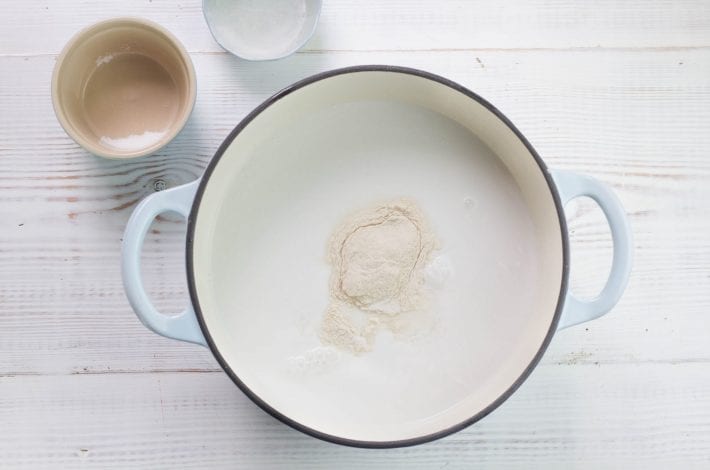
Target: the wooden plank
pixel 636 120
pixel 618 90
pixel 397 25
pixel 621 416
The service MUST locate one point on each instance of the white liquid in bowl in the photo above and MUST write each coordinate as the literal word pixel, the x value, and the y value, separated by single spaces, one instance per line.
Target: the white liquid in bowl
pixel 261 29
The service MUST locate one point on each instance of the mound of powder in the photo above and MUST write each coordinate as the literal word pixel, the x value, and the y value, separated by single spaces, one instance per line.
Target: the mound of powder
pixel 378 256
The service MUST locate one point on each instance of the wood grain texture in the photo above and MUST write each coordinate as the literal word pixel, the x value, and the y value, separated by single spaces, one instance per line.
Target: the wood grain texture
pixel 78 371
pixel 608 416
pixel 365 25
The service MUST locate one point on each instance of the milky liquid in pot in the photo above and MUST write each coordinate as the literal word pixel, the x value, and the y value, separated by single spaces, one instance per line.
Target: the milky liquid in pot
pixel 270 275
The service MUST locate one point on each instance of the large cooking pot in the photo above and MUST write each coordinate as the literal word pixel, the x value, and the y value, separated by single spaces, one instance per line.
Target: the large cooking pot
pixel 261 217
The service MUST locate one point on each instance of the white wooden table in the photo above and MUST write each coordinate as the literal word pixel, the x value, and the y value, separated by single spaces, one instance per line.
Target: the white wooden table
pixel 616 89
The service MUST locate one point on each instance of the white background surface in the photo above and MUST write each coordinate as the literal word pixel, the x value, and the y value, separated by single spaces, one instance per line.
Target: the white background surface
pixel 618 90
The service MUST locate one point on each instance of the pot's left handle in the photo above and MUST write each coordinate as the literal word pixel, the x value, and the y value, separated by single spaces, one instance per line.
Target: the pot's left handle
pixel 184 326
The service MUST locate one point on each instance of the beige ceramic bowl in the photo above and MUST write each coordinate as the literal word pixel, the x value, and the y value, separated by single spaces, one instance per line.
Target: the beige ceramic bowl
pixel 123 88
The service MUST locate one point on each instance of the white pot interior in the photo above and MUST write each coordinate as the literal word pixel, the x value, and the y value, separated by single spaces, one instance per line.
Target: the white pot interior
pixel 332 147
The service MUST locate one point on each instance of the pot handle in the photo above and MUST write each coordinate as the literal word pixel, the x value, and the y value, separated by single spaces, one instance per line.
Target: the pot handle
pixel 570 186
pixel 183 326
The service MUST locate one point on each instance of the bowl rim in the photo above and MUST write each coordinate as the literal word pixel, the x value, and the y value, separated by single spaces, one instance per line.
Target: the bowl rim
pixel 88 32
pixel 307 37
pixel 192 221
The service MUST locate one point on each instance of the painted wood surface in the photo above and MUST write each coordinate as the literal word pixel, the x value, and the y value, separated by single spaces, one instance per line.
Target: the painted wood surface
pixel 617 90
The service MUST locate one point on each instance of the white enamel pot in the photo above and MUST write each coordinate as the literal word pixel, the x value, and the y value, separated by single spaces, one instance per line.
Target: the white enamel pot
pixel 261 216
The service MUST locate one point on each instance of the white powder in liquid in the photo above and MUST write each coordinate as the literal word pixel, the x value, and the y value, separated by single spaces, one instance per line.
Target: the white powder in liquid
pixel 379 258
pixel 134 141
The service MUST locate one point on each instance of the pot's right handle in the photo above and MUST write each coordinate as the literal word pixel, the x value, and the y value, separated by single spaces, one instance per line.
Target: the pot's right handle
pixel 183 326
pixel 570 186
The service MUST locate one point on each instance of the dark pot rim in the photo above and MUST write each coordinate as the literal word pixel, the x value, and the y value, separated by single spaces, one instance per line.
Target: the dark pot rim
pixel 191 222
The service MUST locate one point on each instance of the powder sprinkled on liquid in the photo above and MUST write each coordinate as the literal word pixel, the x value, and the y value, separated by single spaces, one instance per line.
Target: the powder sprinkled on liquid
pixel 378 258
